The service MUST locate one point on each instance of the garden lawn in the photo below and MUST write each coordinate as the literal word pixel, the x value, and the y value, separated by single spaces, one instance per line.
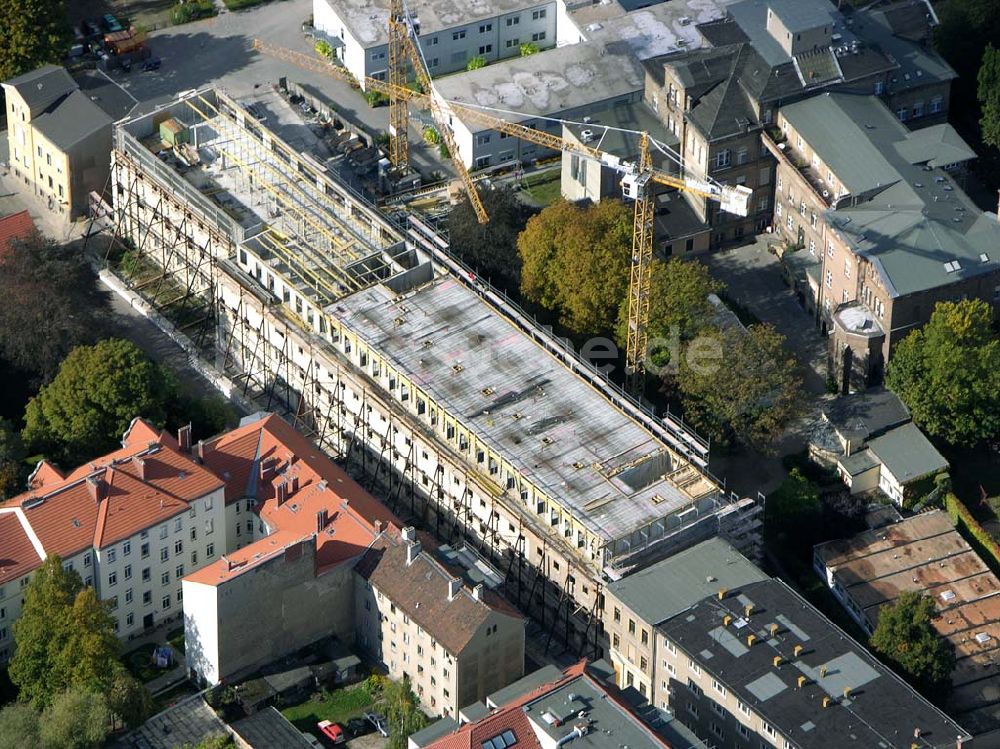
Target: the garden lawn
pixel 544 187
pixel 176 639
pixel 337 706
pixel 139 662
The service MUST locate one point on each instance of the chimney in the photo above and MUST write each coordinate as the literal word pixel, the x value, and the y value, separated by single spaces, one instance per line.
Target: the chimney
pixel 409 533
pixel 777 661
pixel 727 620
pixel 454 585
pixel 722 593
pixel 184 438
pixel 140 467
pixel 798 650
pixel 826 701
pixel 412 552
pixel 97 487
pixel 802 681
pixel 320 521
pixel 847 692
pixel 295 483
pixel 378 526
pixel 477 592
pixel 774 629
pixel 267 466
pixel 748 610
pixel 199 451
pixel 281 491
pixel 822 670
pixel 751 639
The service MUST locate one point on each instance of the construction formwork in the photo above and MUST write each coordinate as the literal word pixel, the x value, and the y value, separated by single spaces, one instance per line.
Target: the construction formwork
pixel 317 305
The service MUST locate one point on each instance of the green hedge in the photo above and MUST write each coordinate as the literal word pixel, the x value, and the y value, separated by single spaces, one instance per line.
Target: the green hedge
pixel 984 544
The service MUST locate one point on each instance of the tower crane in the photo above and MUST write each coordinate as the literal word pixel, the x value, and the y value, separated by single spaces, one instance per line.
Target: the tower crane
pixel 637 175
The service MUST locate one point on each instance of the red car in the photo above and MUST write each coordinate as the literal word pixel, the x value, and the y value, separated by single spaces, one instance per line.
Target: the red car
pixel 333 731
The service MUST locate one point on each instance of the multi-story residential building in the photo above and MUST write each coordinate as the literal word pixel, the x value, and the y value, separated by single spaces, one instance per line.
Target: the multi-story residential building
pixel 418 617
pixel 758 666
pixel 578 707
pixel 637 603
pixel 450 33
pixel 926 554
pixel 131 523
pixel 59 139
pixel 767 53
pixel 881 213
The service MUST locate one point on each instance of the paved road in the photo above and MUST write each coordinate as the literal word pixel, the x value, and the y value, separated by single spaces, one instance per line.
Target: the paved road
pixel 753 277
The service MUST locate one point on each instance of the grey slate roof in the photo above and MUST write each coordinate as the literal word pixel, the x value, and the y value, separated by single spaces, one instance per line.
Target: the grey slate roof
pixel 632 115
pixel 907 453
pixel 800 15
pixel 547 674
pixel 909 218
pixel 42 87
pixel 882 711
pixel 669 587
pixel 434 731
pixel 74 118
pixel 859 462
pixel 862 416
pixel 268 729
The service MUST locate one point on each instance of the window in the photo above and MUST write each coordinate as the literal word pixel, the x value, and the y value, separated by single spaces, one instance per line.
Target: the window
pixel 695 668
pixel 513 43
pixel 777 209
pixel 763 204
pixel 164 554
pixel 813 219
pixel 111 555
pixel 486 27
pixel 210 551
pixel 768 729
pixel 165 578
pixel 165 602
pixel 538 37
pixel 717 729
pixel 645 637
pixel 535 15
pixel 829 278
pixel 743 730
pixel 812 246
pixel 615 641
pixel 671 648
pixel 178 546
pixel 209 526
pixel 482 139
pixel 643 663
pixel 802 208
pixel 194 558
pixel 146 574
pixel 903 113
pixel 879 88
pixel 163 531
pixel 194 534
pixel 918 109
pixel 631 626
pixel 126 548
pixel 147 597
pixel 618 614
pixel 86 559
pixel 514 21
pixel 113 579
pixel 144 550
pixel 485 49
pixel 790 222
pixel 936 104
pixel 128 596
pixel 722 158
pixel 129 619
pixel 718 687
pixel 829 247
pixel 847 267
pixel 208 503
pixel 179 571
pixel 378 55
pixel 458 35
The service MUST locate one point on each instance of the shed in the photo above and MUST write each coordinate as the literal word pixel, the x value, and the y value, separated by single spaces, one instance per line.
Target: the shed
pixel 173 133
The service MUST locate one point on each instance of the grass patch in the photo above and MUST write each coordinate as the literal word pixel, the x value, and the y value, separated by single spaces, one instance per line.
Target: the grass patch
pixel 544 187
pixel 192 10
pixel 139 663
pixel 176 639
pixel 240 4
pixel 337 706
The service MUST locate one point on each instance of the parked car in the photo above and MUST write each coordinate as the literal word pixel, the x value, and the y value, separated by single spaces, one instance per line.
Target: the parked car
pixel 153 63
pixel 77 50
pixel 378 722
pixel 78 33
pixel 92 28
pixel 111 24
pixel 358 727
pixel 333 731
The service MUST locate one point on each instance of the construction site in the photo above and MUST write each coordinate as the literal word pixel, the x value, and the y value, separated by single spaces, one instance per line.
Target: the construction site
pixel 438 393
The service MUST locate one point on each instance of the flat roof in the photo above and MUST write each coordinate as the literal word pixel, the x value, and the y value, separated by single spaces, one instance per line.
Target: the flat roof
pixel 605 126
pixel 368 20
pixel 907 453
pixel 554 428
pixel 881 711
pixel 668 587
pixel 925 553
pixel 858 416
pixel 550 82
pixel 269 729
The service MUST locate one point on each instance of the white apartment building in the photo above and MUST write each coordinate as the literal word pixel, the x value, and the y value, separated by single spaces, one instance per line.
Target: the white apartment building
pixel 451 33
pixel 131 523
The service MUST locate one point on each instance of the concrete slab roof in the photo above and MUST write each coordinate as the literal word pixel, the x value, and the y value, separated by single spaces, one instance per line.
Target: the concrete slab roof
pixel 551 82
pixel 907 453
pixel 555 429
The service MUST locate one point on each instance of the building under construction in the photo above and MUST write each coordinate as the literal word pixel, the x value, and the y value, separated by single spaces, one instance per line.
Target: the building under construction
pixel 453 406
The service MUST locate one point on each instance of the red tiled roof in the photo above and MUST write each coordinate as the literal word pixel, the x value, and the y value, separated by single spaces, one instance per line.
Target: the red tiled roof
pixel 510 717
pixel 45 474
pixel 17 554
pixel 237 562
pixel 14 227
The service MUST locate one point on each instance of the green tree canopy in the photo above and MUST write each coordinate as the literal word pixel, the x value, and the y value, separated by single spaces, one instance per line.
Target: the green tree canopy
pixel 575 263
pixel 128 699
pixel 34 32
pixel 746 388
pixel 18 726
pixel 907 640
pixel 794 506
pixel 948 373
pixel 76 719
pixel 65 637
pixel 989 96
pixel 12 454
pixel 98 391
pixel 401 712
pixel 491 248
pixel 52 302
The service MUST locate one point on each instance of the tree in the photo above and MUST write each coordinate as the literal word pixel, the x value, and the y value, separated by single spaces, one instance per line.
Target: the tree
pixel 65 637
pixel 907 640
pixel 12 456
pixel 34 32
pixel 18 726
pixel 128 699
pixel 218 741
pixel 52 303
pixel 740 384
pixel 401 713
pixel 678 307
pixel 479 61
pixel 76 719
pixel 98 391
pixel 989 96
pixel 575 263
pixel 491 248
pixel 528 49
pixel 948 373
pixel 793 506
